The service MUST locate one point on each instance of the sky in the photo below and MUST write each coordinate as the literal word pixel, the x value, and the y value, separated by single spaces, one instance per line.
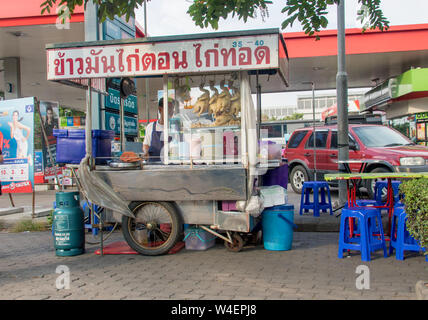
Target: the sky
pixel 169 17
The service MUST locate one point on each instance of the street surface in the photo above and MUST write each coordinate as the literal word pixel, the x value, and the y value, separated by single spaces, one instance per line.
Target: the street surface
pixel 311 270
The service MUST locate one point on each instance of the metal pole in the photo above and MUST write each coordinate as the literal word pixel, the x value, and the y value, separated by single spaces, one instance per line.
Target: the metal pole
pixel 315 133
pixel 88 130
pixel 342 99
pixel 145 18
pixel 146 80
pixel 122 124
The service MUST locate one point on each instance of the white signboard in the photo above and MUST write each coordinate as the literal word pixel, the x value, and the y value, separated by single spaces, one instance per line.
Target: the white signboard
pixel 169 57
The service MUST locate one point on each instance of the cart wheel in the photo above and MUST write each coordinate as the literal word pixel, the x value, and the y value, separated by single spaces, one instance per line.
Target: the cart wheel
pixel 155 230
pixel 237 243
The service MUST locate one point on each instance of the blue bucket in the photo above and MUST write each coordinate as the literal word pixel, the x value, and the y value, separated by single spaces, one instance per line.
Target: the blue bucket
pixel 278 224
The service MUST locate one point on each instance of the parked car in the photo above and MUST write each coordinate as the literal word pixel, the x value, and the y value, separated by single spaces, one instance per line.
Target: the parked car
pixel 394 152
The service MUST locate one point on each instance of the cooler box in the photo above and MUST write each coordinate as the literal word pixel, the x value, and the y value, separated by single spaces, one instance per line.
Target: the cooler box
pixel 70 145
pixel 198 239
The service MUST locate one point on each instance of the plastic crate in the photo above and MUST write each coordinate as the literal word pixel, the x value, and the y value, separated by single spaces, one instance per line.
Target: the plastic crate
pixel 198 239
pixel 70 145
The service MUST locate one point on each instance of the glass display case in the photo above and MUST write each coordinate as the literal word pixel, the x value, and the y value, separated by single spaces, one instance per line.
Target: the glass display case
pixel 205 127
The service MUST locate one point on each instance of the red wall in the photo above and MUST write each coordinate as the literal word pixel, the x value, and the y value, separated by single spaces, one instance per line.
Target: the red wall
pixel 28 12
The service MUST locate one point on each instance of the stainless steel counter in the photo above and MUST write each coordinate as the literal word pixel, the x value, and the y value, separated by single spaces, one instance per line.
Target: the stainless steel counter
pixel 177 182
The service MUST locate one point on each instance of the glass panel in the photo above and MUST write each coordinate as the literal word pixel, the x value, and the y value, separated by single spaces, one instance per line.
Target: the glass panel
pixel 273 131
pixel 296 139
pixel 321 140
pixel 333 143
pixel 206 124
pixel 380 136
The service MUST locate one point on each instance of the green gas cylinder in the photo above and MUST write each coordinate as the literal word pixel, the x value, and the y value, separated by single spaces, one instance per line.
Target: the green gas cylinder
pixel 68 225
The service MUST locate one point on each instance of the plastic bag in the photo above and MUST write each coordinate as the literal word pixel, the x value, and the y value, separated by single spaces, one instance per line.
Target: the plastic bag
pixel 253 207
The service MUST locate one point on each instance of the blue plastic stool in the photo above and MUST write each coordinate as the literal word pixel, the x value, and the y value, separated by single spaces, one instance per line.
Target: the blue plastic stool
pixel 401 240
pixel 363 204
pixel 367 241
pixel 380 185
pixel 320 188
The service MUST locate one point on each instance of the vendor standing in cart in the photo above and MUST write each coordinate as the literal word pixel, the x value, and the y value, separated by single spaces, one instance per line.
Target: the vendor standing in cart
pixel 153 140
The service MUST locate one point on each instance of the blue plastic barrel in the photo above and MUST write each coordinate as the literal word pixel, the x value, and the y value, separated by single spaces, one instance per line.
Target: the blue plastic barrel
pixel 278 224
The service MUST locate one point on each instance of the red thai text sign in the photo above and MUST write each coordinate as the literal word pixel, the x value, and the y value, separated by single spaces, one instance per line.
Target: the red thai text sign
pixel 168 57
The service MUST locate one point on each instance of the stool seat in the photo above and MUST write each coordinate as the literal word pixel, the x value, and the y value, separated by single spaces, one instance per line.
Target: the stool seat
pixel 366 240
pixel 401 239
pixel 380 185
pixel 321 198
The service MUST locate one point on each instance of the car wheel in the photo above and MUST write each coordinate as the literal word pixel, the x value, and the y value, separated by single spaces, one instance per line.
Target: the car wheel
pixel 298 176
pixel 370 184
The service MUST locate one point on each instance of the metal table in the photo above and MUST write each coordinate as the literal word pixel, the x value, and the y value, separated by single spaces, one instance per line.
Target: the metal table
pixel 382 175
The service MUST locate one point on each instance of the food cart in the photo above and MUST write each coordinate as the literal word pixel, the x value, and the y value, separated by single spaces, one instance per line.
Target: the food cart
pixel 211 164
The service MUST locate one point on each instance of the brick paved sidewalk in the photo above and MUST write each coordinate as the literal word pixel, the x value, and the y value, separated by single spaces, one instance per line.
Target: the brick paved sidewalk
pixel 311 270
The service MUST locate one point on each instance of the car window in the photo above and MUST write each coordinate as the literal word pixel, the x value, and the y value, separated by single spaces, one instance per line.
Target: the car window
pixel 333 142
pixel 321 141
pixel 296 138
pixel 380 136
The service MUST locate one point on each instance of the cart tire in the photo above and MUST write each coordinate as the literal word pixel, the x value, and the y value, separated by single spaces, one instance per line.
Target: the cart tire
pixel 237 245
pixel 153 211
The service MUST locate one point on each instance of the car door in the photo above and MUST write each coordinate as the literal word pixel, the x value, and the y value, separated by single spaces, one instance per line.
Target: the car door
pixel 320 151
pixel 333 153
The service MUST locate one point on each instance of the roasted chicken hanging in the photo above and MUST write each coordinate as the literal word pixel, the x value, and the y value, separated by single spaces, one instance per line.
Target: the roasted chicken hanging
pixel 213 99
pixel 235 107
pixel 202 104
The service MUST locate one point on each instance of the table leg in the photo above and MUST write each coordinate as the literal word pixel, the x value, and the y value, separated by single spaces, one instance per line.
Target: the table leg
pixel 350 221
pixel 390 197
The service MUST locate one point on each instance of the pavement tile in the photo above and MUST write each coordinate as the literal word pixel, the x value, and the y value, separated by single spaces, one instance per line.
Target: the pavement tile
pixel 311 270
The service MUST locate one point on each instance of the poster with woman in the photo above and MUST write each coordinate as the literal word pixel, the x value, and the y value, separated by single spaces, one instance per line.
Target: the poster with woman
pixel 49 111
pixel 17 143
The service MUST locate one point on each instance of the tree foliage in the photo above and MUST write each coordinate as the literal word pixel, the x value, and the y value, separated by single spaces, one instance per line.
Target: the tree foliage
pixel 209 12
pixel 310 13
pixel 107 9
pixel 416 205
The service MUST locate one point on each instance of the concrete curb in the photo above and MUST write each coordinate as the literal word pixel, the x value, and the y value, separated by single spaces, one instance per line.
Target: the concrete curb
pixel 12 210
pixel 9 221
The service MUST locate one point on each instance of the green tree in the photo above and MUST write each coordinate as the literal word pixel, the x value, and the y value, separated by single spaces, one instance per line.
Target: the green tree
pixel 295 116
pixel 310 13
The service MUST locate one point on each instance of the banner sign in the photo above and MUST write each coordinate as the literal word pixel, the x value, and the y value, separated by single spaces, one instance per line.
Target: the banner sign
pixel 168 57
pixel 112 122
pixel 113 101
pixel 17 140
pixel 38 161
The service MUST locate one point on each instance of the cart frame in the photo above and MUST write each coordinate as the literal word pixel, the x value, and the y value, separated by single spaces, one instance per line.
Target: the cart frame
pixel 195 185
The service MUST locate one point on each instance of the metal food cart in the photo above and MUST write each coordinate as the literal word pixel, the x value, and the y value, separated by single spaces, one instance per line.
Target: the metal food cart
pixel 212 155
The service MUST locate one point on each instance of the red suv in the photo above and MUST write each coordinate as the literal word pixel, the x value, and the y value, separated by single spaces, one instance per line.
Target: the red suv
pixel 394 151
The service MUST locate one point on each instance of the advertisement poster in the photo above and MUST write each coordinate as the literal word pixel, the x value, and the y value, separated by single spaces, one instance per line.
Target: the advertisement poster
pixel 49 110
pixel 38 166
pixel 17 141
pixel 421 131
